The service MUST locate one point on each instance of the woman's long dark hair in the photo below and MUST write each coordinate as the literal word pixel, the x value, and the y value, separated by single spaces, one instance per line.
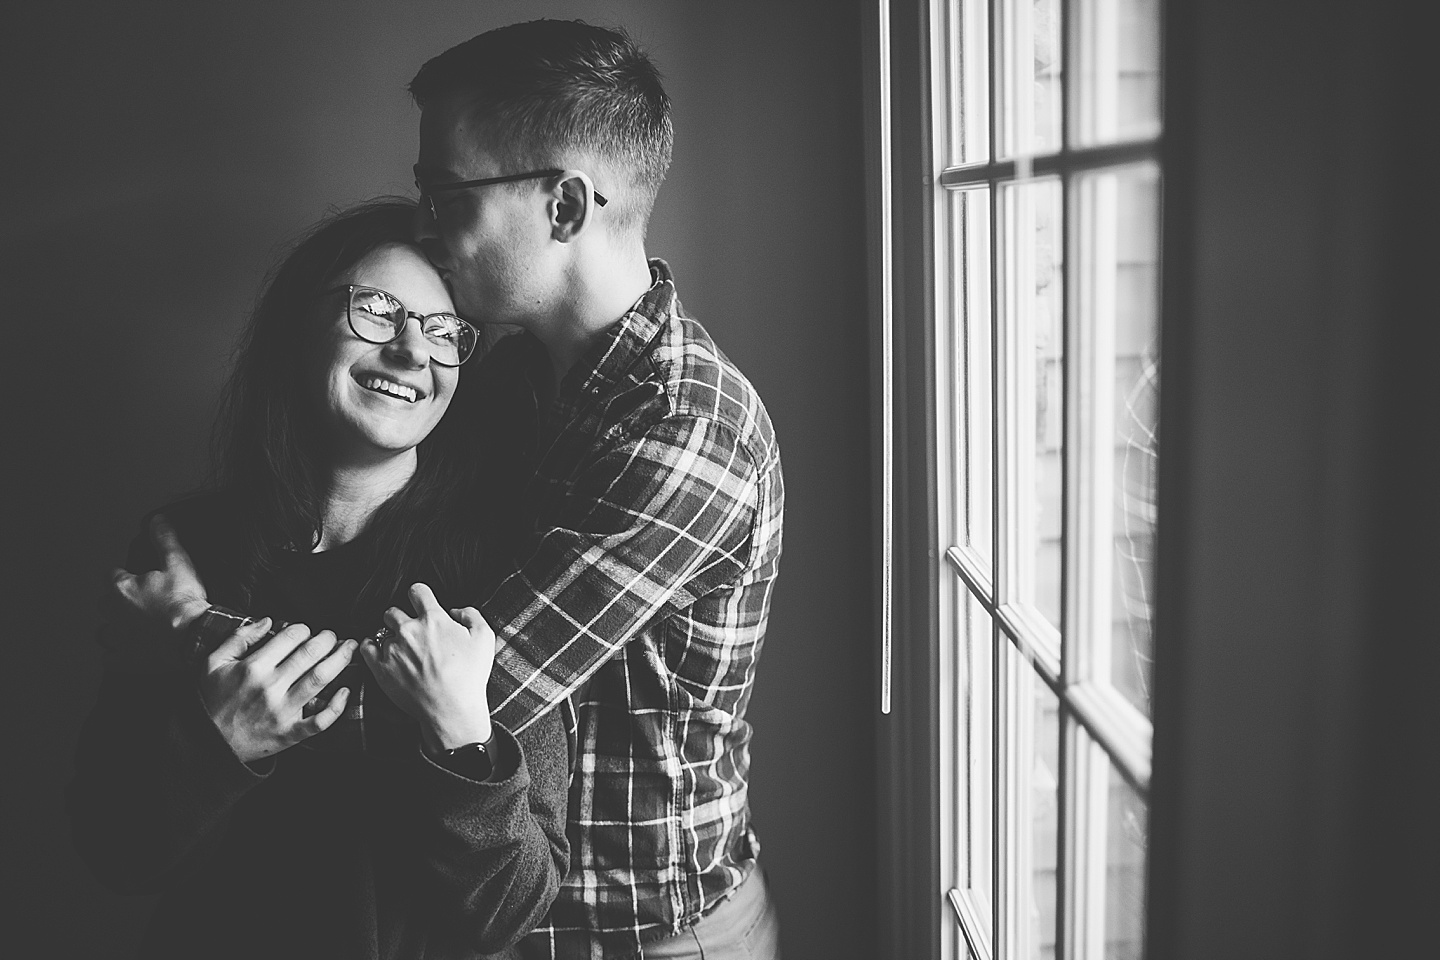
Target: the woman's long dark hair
pixel 269 448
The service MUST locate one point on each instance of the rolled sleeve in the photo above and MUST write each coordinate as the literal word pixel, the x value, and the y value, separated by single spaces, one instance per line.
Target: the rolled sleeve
pixel 651 523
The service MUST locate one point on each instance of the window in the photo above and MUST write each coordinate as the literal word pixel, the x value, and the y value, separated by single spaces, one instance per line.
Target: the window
pixel 1044 126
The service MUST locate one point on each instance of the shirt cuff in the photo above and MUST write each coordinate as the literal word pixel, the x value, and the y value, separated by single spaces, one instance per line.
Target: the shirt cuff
pixel 209 630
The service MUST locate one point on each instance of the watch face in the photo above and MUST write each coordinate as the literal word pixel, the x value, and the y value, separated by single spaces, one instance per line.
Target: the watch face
pixel 470 761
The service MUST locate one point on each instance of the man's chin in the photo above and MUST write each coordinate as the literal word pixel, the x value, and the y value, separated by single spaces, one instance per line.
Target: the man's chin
pixel 469 307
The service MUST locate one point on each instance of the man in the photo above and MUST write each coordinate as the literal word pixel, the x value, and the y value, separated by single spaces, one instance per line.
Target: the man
pixel 641 597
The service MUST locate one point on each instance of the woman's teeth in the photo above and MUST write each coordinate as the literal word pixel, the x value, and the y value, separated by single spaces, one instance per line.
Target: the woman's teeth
pixel 408 394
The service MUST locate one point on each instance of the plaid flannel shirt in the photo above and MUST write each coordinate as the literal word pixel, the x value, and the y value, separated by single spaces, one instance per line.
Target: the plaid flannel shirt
pixel 639 610
pixel 657 507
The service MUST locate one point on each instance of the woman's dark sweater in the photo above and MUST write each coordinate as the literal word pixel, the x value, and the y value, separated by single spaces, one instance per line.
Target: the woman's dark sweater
pixel 325 850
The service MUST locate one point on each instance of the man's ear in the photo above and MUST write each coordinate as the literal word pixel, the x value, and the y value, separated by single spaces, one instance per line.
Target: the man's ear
pixel 572 205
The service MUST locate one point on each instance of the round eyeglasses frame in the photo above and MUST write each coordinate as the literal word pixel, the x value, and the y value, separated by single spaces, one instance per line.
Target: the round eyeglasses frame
pixel 428 190
pixel 465 349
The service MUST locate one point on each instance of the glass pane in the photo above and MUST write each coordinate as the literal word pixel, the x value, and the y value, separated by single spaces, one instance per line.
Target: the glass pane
pixel 1132 651
pixel 973 360
pixel 1033 317
pixel 1124 871
pixel 973 21
pixel 1038 817
pixel 1033 76
pixel 975 788
pixel 1118 251
pixel 1118 53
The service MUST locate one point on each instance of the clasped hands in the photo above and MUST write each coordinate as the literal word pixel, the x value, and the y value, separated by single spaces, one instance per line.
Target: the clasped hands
pixel 261 692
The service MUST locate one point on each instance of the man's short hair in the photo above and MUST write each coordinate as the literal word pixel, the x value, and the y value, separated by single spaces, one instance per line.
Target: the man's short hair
pixel 544 89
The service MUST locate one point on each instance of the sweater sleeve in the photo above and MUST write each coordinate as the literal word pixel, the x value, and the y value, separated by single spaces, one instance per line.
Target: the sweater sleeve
pixel 154 780
pixel 495 852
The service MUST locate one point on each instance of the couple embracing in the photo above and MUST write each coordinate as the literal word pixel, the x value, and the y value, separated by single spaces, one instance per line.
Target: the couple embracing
pixel 456 665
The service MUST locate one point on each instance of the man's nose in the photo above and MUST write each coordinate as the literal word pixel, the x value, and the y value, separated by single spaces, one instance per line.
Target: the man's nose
pixel 422 223
pixel 434 250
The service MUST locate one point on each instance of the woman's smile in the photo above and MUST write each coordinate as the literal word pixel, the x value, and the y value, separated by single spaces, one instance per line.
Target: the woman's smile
pixel 388 387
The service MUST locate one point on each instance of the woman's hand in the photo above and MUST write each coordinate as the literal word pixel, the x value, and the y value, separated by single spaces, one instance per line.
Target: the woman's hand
pixel 435 667
pixel 257 702
pixel 173 595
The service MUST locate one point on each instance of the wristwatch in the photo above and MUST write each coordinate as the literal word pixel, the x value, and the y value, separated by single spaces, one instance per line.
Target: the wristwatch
pixel 473 761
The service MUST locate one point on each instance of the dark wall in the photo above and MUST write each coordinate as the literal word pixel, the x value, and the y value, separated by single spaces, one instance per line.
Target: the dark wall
pixel 155 154
pixel 1297 740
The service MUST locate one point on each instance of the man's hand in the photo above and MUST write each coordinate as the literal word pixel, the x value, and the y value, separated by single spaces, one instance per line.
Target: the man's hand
pixel 435 668
pixel 257 702
pixel 173 595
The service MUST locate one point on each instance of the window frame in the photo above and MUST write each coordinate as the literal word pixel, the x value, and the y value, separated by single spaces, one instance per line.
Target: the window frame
pixel 913 511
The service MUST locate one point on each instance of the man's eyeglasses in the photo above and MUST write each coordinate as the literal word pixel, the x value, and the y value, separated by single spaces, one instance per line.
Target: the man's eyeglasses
pixel 377 316
pixel 428 190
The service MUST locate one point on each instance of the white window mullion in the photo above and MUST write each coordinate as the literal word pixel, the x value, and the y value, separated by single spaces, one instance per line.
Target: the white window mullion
pixel 954 681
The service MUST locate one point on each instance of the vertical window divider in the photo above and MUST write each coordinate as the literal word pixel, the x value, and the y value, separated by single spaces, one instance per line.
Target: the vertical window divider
pixel 955 673
pixel 1072 905
pixel 951 513
pixel 1073 592
pixel 1000 574
pixel 1010 575
pixel 952 518
pixel 1076 587
pixel 1010 808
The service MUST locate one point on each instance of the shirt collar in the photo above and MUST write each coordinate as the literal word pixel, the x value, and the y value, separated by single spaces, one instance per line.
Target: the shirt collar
pixel 627 341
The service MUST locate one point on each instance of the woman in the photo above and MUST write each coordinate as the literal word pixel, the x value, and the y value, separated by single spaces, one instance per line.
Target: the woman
pixel 288 793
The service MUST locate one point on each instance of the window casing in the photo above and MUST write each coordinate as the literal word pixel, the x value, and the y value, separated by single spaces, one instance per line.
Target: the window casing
pixel 1044 132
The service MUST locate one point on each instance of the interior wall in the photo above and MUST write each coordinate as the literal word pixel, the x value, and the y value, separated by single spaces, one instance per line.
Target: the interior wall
pixel 157 153
pixel 1297 752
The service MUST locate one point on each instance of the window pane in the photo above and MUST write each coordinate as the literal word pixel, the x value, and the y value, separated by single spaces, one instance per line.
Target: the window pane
pixel 1033 318
pixel 973 414
pixel 977 785
pixel 1038 820
pixel 967 790
pixel 1132 650
pixel 1124 871
pixel 1117 250
pixel 1118 77
pixel 1032 78
pixel 975 59
pixel 1137 384
pixel 968 69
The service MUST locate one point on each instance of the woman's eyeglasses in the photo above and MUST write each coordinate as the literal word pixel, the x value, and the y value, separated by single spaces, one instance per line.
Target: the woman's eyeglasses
pixel 377 316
